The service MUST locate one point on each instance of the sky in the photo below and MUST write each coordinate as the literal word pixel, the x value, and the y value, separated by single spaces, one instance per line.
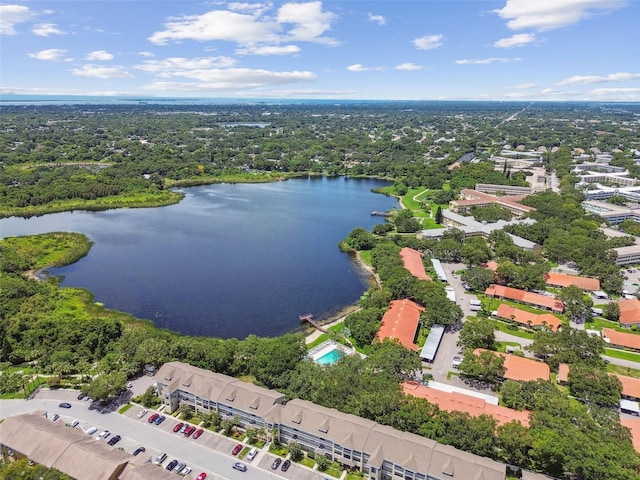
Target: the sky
pixel 547 50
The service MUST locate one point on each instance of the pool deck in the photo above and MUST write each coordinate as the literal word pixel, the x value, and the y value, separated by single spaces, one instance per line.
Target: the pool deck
pixel 325 347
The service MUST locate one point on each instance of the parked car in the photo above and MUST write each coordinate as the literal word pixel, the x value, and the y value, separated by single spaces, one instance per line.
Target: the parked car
pixel 161 458
pixel 178 426
pixel 142 413
pixel 186 471
pixel 172 464
pixel 179 467
pixel 240 466
pixel 190 429
pixel 153 417
pixel 55 417
pixel 276 463
pixel 91 430
pixel 285 465
pixel 64 405
pixel 252 454
pixel 197 433
pixel 457 360
pixel 138 451
pixel 104 434
pixel 129 385
pixel 80 396
pixel 202 476
pixel 159 420
pixel 74 423
pixel 184 427
pixel 114 440
pixel 236 449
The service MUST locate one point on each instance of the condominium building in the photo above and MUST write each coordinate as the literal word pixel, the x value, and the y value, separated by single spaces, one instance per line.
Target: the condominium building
pixel 474 198
pixel 380 451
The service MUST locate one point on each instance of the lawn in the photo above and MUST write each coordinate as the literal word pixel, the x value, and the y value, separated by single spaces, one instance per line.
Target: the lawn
pixel 622 354
pixel 626 371
pixel 365 256
pixel 125 408
pixel 504 327
pixel 502 346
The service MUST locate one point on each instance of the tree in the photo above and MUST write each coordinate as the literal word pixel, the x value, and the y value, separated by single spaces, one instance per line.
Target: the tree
pixel 405 223
pixel 393 358
pixel 577 304
pixel 106 385
pixel 569 345
pixel 363 325
pixel 296 451
pixel 149 397
pixel 186 411
pixel 439 216
pixel 478 278
pixel 229 424
pixel 594 386
pixel 360 239
pixel 212 420
pixel 513 441
pixel 323 463
pixel 611 311
pixel 477 334
pixel 487 366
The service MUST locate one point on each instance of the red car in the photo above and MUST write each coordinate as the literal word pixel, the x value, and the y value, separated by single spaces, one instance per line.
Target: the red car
pixel 236 449
pixel 153 417
pixel 197 433
pixel 202 476
pixel 190 429
pixel 178 426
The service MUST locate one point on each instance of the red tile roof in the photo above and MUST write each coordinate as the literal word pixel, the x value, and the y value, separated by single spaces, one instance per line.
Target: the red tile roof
pixel 535 299
pixel 401 321
pixel 474 197
pixel 633 424
pixel 629 311
pixel 562 280
pixel 630 386
pixel 412 260
pixel 519 368
pixel 459 402
pixel 527 318
pixel 563 372
pixel 491 265
pixel 629 340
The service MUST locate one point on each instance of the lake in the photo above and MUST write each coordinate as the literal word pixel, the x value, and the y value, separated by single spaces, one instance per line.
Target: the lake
pixel 228 260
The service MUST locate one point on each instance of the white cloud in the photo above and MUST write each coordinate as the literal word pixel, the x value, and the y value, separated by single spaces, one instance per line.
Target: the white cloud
pixel 379 19
pixel 292 22
pixel 268 50
pixel 358 67
pixel 49 54
pixel 309 21
pixel 146 54
pixel 551 14
pixel 99 71
pixel 178 65
pixel 428 42
pixel 612 91
pixel 408 66
pixel 99 55
pixel 231 79
pixel 612 77
pixel 11 15
pixel 526 86
pixel 518 40
pixel 487 61
pixel 46 29
pixel 300 93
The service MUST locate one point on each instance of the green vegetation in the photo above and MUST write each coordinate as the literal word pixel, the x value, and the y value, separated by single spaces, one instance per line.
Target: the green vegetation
pixel 125 408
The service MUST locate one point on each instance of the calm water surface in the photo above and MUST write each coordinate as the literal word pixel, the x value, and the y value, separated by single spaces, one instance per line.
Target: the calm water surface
pixel 227 261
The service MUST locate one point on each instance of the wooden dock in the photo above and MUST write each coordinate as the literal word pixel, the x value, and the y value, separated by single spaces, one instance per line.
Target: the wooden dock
pixel 376 213
pixel 308 317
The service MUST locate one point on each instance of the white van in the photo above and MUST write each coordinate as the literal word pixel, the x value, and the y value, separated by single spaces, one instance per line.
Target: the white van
pixel 252 454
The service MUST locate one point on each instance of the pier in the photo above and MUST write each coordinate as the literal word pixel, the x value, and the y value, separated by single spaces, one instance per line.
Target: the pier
pixel 308 317
pixel 376 213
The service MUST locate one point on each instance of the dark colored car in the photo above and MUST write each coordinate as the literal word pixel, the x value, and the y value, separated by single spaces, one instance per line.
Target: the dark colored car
pixel 80 396
pixel 190 429
pixel 153 417
pixel 64 405
pixel 114 440
pixel 159 420
pixel 236 449
pixel 171 465
pixel 276 463
pixel 139 450
pixel 197 433
pixel 178 426
pixel 285 465
pixel 240 466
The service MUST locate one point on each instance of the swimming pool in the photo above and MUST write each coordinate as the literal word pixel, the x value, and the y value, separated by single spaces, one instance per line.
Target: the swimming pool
pixel 332 356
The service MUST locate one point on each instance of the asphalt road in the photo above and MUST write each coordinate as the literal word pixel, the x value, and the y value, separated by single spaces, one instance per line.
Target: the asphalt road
pixel 210 453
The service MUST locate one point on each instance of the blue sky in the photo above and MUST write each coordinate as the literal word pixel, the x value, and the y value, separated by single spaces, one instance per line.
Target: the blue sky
pixel 394 50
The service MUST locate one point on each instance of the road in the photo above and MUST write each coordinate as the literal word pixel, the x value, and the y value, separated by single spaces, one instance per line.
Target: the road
pixel 210 453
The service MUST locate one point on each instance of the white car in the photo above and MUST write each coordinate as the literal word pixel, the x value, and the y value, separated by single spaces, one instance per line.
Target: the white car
pixel 104 434
pixel 457 360
pixel 142 413
pixel 186 471
pixel 91 430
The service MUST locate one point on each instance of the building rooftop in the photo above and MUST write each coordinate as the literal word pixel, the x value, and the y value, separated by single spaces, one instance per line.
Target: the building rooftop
pixel 633 424
pixel 527 318
pixel 401 321
pixel 630 386
pixel 525 297
pixel 458 402
pixel 629 310
pixel 412 260
pixel 520 368
pixel 563 280
pixel 563 372
pixel 629 340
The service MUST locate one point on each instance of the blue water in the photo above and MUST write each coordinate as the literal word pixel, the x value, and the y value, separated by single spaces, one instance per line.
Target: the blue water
pixel 329 358
pixel 228 260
